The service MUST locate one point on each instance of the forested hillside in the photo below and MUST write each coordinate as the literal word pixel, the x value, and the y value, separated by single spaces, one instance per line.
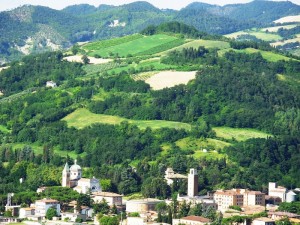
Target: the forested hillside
pixel 33 29
pixel 246 87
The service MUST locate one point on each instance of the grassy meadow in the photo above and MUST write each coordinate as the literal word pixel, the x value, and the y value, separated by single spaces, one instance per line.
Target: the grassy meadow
pixel 137 45
pixel 239 134
pixel 38 149
pixel 265 36
pixel 82 118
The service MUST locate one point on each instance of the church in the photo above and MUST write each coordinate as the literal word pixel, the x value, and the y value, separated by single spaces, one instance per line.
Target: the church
pixel 72 178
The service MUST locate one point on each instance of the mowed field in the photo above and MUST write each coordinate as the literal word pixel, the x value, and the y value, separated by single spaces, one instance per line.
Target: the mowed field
pixel 275 29
pixel 82 118
pixel 239 134
pixel 270 56
pixel 38 149
pixel 168 79
pixel 204 43
pixel 135 46
pixel 288 19
pixel 258 34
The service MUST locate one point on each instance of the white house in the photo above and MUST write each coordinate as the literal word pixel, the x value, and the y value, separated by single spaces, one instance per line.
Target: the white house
pixel 263 221
pixel 109 197
pixel 42 206
pixel 26 212
pixel 51 84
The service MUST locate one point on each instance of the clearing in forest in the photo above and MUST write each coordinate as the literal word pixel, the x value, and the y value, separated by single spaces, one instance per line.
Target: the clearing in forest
pixel 167 79
pixel 275 29
pixel 239 134
pixel 82 118
pixel 288 19
pixel 93 60
pixel 205 43
pixel 258 34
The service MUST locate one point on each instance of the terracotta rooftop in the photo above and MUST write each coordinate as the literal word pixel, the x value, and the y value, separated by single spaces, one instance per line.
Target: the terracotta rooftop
pixel 47 200
pixel 290 215
pixel 196 218
pixel 106 194
pixel 264 219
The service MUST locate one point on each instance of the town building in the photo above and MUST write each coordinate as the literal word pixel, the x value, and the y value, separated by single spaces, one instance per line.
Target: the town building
pixel 109 197
pixel 141 221
pixel 192 197
pixel 42 206
pixel 193 183
pixel 263 221
pixel 51 84
pixel 26 212
pixel 191 220
pixel 72 217
pixel 277 191
pixel 72 178
pixel 171 176
pixel 281 215
pixel 238 197
pixel 142 205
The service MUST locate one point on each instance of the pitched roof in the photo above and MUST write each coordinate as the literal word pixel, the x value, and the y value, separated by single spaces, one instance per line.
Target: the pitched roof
pixel 196 218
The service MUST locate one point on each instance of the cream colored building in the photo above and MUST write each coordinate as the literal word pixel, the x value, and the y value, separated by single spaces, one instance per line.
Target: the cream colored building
pixel 238 197
pixel 72 178
pixel 42 206
pixel 170 176
pixel 142 205
pixel 277 191
pixel 191 220
pixel 26 212
pixel 109 197
pixel 263 221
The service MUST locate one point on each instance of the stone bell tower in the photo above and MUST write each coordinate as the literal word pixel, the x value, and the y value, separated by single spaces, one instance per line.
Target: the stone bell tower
pixel 66 176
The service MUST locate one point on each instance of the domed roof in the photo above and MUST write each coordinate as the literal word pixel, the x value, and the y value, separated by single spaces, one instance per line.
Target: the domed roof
pixel 75 167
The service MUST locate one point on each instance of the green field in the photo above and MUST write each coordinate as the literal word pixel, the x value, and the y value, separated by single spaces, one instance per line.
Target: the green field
pixel 4 129
pixel 155 64
pixel 270 56
pixel 239 134
pixel 38 149
pixel 134 47
pixel 205 43
pixel 258 34
pixel 82 118
pixel 276 28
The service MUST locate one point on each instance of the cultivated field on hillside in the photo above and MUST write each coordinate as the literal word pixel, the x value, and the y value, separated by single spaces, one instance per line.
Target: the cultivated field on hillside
pixel 82 118
pixel 283 42
pixel 288 19
pixel 275 29
pixel 239 134
pixel 270 56
pixel 168 79
pixel 93 60
pixel 206 43
pixel 135 46
pixel 258 34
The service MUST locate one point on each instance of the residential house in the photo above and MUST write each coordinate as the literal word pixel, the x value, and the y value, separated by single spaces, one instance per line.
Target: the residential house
pixel 191 220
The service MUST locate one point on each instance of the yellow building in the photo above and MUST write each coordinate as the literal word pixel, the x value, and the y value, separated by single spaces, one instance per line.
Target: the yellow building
pixel 238 197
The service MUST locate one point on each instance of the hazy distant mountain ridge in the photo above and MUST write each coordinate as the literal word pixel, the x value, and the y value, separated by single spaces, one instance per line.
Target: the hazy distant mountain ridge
pixel 61 28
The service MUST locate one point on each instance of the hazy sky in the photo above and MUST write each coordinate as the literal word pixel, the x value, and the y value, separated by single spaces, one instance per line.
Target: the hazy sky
pixel 59 4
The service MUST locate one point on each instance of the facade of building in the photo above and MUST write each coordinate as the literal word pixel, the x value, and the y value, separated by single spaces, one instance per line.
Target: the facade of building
pixel 51 84
pixel 26 212
pixel 42 206
pixel 191 220
pixel 72 217
pixel 263 221
pixel 109 197
pixel 238 197
pixel 193 183
pixel 72 178
pixel 170 176
pixel 142 205
pixel 277 191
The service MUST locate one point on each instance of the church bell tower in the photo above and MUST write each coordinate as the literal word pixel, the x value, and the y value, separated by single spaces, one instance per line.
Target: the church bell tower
pixel 193 183
pixel 66 176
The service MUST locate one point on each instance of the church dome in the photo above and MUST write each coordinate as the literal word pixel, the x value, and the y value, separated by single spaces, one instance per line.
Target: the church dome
pixel 75 167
